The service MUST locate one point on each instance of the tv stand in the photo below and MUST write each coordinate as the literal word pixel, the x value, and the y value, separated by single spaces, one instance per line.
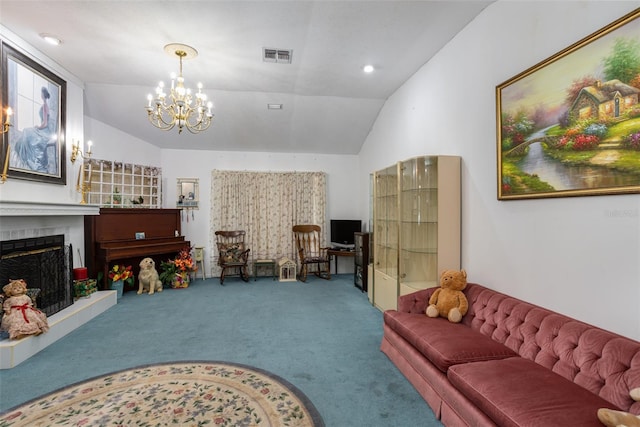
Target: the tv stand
pixel 335 253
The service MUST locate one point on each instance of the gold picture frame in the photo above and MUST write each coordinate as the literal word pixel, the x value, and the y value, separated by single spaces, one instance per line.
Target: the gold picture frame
pixel 570 125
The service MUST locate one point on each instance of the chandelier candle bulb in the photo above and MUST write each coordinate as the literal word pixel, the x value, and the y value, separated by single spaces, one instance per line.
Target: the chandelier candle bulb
pixel 8 119
pixel 180 109
pixel 6 126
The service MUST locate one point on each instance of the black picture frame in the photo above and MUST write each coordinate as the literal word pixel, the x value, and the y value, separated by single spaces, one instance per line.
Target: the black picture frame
pixel 34 146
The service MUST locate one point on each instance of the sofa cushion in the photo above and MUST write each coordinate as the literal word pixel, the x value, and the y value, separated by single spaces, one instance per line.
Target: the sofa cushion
pixel 603 362
pixel 445 343
pixel 519 392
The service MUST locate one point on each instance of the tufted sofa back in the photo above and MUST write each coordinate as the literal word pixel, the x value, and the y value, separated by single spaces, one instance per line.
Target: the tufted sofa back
pixel 605 363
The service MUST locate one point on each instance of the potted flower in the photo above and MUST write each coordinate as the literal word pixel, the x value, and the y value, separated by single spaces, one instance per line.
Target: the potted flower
pixel 118 276
pixel 177 272
pixel 168 270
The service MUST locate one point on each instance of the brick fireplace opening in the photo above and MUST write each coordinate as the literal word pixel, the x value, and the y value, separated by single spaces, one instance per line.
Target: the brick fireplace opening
pixel 44 263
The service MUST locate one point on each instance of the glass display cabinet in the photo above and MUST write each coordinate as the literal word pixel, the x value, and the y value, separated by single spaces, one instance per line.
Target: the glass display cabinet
pixel 417 226
pixel 371 240
pixel 385 252
pixel 430 221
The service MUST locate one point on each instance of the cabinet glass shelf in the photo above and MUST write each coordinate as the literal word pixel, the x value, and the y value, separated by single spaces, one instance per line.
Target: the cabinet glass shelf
pixel 416 219
pixel 421 250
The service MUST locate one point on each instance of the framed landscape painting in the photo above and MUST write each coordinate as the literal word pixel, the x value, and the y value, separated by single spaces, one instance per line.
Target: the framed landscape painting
pixel 570 125
pixel 35 147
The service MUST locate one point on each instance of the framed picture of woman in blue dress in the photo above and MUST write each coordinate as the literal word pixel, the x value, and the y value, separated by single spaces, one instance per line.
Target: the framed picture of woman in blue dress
pixel 36 139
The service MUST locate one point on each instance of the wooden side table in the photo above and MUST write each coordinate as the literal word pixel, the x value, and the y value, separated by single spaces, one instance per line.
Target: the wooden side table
pixel 335 253
pixel 264 263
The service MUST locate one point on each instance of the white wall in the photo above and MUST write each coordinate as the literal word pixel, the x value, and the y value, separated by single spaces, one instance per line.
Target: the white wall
pixel 113 144
pixel 31 191
pixel 21 190
pixel 110 143
pixel 580 255
pixel 342 184
pixel 342 173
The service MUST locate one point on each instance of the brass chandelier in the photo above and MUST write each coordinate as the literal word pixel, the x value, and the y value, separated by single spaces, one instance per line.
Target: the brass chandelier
pixel 179 111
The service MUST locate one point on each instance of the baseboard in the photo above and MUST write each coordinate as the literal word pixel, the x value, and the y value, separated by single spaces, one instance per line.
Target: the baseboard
pixel 14 352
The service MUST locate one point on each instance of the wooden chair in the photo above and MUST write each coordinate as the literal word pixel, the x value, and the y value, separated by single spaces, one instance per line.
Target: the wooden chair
pixel 232 253
pixel 308 245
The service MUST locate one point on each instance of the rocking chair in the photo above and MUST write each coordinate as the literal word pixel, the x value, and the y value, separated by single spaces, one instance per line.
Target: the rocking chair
pixel 308 245
pixel 232 253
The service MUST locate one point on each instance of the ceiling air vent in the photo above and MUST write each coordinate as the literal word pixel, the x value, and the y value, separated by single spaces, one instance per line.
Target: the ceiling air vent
pixel 281 56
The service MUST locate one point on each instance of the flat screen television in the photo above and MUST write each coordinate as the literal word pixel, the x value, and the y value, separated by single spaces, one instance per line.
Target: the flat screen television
pixel 342 232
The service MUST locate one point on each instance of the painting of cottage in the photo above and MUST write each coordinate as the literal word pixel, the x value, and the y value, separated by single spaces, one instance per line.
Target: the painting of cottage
pixel 604 100
pixel 570 125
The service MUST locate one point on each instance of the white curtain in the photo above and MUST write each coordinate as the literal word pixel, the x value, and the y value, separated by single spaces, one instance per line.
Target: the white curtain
pixel 266 205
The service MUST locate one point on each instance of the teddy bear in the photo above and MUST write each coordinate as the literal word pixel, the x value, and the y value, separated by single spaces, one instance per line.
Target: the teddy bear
pixel 21 318
pixel 611 418
pixel 449 301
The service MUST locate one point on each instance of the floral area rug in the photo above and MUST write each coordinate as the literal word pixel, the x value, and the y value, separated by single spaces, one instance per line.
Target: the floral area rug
pixel 176 394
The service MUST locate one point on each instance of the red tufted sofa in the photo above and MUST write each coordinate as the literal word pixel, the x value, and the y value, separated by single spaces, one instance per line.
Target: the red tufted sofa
pixel 510 363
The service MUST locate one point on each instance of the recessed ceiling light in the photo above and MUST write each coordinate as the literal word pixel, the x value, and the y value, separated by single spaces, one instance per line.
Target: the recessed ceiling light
pixel 274 106
pixel 368 69
pixel 51 39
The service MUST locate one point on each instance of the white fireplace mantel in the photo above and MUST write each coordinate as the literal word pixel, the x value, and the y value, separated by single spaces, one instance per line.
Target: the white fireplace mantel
pixel 18 208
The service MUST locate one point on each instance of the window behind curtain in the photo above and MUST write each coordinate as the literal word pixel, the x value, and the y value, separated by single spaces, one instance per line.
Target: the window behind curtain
pixel 266 205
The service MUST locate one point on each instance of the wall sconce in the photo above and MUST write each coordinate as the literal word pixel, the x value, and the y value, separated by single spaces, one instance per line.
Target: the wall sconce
pixel 83 186
pixel 7 121
pixel 5 128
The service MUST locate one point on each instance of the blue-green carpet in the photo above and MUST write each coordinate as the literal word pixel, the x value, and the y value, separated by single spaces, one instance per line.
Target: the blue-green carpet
pixel 322 336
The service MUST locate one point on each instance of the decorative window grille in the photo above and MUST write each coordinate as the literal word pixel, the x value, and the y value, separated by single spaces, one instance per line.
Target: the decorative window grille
pixel 127 185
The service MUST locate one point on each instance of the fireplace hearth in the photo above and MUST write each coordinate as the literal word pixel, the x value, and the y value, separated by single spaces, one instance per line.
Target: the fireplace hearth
pixel 44 263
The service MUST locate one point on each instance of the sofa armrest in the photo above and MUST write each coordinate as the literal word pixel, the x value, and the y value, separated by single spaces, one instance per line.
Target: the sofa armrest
pixel 415 302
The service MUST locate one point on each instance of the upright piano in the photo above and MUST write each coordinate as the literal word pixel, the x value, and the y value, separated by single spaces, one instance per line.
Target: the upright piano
pixel 127 235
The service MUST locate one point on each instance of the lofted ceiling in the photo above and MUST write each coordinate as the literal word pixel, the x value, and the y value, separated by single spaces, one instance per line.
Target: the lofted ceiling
pixel 329 104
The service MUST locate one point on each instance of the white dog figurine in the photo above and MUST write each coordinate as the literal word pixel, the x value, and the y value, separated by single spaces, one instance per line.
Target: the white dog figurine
pixel 148 278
